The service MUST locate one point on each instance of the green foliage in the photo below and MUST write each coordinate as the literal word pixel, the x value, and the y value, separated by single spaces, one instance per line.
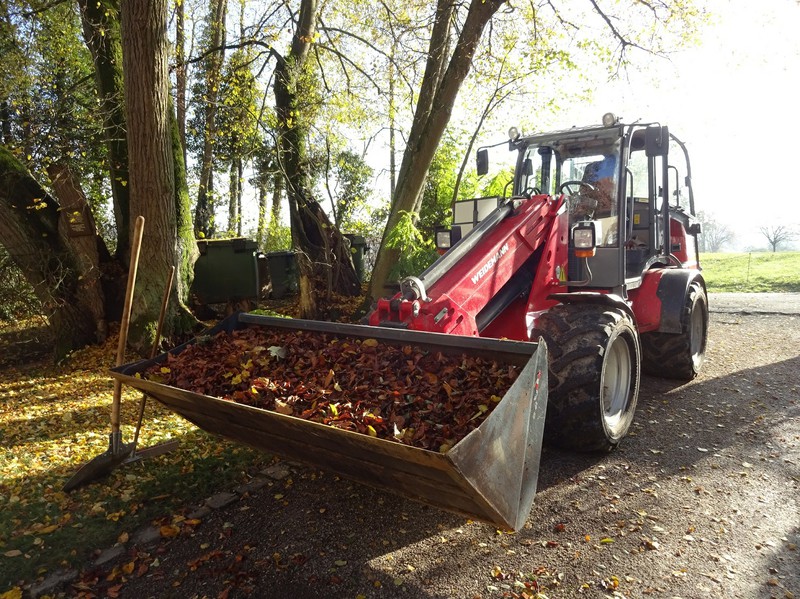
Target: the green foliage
pixel 417 251
pixel 47 84
pixel 17 299
pixel 437 195
pixel 754 272
pixel 279 237
pixel 346 177
pixel 498 183
pixel 238 109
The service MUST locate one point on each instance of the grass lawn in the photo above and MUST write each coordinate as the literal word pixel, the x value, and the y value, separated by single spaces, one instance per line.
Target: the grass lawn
pixel 757 272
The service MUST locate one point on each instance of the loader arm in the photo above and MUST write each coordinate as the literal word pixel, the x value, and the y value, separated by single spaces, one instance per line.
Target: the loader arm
pixel 472 284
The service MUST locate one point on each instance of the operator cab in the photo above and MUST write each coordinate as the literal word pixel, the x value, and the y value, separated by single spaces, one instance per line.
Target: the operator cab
pixel 613 179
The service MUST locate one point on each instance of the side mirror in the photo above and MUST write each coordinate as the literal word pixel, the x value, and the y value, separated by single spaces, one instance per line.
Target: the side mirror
pixel 656 141
pixel 482 158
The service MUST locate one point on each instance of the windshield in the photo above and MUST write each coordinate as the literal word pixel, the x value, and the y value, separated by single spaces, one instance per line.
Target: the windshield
pixel 586 169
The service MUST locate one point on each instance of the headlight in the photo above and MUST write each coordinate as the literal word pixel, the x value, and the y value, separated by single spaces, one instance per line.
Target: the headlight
pixel 443 239
pixel 609 119
pixel 584 238
pixel 446 237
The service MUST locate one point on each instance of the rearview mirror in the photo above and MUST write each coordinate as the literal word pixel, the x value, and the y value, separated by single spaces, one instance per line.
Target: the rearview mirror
pixel 482 158
pixel 656 141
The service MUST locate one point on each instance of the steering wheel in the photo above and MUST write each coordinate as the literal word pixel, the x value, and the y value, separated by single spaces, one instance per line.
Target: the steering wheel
pixel 578 184
pixel 532 191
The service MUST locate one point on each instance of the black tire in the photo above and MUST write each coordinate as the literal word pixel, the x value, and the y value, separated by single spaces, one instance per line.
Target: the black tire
pixel 594 375
pixel 680 355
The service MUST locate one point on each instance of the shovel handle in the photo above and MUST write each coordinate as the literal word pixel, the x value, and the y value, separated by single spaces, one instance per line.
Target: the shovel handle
pixel 154 349
pixel 163 313
pixel 136 246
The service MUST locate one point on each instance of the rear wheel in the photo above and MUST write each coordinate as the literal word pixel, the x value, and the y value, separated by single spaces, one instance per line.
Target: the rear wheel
pixel 680 355
pixel 594 375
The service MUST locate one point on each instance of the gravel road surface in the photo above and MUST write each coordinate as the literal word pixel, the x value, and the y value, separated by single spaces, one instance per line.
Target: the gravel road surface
pixel 755 303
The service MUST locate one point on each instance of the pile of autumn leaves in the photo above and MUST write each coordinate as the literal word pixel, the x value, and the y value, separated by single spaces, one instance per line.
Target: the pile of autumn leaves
pixel 402 393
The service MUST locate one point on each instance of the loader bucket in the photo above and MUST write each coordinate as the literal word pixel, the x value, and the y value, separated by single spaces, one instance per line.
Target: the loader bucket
pixel 489 475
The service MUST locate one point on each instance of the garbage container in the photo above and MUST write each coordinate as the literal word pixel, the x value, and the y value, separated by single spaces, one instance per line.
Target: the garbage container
pixel 282 273
pixel 358 245
pixel 226 271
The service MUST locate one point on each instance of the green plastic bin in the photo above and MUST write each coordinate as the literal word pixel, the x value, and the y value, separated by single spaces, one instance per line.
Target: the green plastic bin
pixel 282 273
pixel 226 271
pixel 358 245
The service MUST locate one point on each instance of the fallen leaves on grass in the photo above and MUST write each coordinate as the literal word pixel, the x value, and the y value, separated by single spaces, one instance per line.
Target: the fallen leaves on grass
pixel 54 419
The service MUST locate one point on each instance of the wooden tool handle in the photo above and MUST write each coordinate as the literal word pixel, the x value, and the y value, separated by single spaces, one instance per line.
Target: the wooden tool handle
pixel 136 246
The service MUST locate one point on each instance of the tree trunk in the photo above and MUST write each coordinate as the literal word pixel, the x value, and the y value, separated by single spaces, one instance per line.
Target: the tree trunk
pixel 156 167
pixel 329 265
pixel 437 97
pixel 180 74
pixel 239 191
pixel 261 225
pixel 101 33
pixel 77 229
pixel 233 204
pixel 29 230
pixel 204 215
pixel 277 200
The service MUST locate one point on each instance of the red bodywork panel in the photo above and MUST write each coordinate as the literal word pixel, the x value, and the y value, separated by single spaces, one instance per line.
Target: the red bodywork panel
pixel 644 299
pixel 683 247
pixel 646 304
pixel 459 295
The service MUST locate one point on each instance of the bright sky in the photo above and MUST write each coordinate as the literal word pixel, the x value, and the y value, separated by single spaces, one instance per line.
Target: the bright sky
pixel 734 101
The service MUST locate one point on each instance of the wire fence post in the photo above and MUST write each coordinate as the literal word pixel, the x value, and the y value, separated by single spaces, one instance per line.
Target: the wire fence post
pixel 749 258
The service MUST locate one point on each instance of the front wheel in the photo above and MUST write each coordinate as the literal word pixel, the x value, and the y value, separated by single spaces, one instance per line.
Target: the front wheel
pixel 594 375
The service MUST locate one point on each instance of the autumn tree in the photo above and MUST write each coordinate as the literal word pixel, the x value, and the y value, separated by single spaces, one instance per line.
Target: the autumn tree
pixel 323 255
pixel 180 72
pixel 49 136
pixel 347 182
pixel 610 32
pixel 268 181
pixel 238 136
pixel 101 33
pixel 37 238
pixel 445 71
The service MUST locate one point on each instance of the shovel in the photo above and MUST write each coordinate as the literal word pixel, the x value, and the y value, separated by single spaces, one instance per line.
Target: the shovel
pixel 117 452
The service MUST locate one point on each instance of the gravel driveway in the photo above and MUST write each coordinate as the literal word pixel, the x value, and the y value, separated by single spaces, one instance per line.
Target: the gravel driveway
pixel 702 500
pixel 755 303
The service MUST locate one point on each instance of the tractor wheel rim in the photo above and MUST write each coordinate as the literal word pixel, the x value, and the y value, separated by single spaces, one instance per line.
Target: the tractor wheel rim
pixel 616 382
pixel 697 333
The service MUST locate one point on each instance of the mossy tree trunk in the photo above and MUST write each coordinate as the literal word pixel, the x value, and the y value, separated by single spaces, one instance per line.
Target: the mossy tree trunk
pixel 324 261
pixel 101 32
pixel 157 178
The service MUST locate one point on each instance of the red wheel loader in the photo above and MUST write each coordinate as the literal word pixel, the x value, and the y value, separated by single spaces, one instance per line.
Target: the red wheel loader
pixel 585 276
pixel 596 253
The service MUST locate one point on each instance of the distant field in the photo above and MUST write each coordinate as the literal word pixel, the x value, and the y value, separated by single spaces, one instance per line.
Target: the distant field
pixel 754 272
